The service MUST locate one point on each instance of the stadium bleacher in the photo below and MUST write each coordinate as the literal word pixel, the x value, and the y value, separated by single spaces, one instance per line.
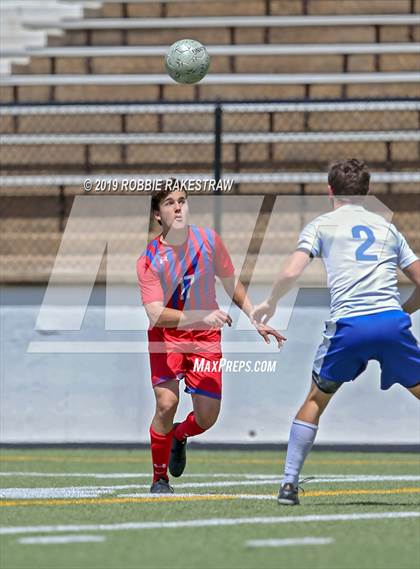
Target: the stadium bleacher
pixel 94 100
pixel 16 15
pixel 96 135
pixel 289 71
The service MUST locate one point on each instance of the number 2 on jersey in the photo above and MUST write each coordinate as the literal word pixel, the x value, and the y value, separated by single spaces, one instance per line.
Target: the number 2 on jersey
pixel 358 232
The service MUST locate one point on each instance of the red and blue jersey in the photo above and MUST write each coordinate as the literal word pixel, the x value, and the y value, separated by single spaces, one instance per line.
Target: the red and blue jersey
pixel 183 277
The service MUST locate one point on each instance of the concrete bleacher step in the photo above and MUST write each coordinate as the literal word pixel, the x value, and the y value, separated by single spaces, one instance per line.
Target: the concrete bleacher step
pixel 142 8
pixel 183 137
pixel 15 39
pixel 320 7
pixel 263 49
pixel 32 12
pixel 298 117
pixel 241 59
pixel 44 88
pixel 18 63
pixel 266 21
pixel 16 17
pixel 222 36
pixel 245 148
pixel 200 156
pixel 185 8
pixel 239 29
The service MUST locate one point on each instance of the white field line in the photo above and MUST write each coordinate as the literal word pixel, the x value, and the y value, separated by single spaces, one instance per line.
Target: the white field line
pixel 277 479
pixel 247 476
pixel 59 539
pixel 289 541
pixel 211 522
pixel 97 491
pixel 364 478
pixel 49 493
pixel 121 475
pixel 191 495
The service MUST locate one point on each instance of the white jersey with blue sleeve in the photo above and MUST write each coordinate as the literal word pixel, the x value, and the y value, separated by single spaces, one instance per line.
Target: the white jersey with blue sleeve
pixel 361 251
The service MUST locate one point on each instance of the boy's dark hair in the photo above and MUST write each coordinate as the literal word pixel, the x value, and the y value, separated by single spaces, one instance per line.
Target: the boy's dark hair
pixel 159 196
pixel 349 178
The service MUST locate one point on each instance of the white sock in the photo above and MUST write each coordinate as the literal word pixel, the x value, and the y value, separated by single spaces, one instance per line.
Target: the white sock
pixel 301 439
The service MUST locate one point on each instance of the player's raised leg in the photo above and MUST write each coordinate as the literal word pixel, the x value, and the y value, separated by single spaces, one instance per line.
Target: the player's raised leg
pixel 161 434
pixel 205 413
pixel 302 437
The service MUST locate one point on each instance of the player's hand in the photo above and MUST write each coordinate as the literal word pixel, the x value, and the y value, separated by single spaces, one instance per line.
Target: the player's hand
pixel 217 319
pixel 266 331
pixel 263 312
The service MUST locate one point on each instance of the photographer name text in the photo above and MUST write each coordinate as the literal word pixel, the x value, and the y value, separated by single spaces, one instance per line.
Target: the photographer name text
pixel 146 185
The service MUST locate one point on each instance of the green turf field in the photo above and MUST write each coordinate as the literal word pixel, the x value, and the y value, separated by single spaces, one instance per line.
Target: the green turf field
pixel 361 511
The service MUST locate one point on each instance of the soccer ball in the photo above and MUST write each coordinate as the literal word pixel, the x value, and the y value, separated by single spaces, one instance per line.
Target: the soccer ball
pixel 187 61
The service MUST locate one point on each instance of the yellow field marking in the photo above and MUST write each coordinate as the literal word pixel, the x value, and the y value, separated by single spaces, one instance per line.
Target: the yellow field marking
pixel 64 459
pixel 146 459
pixel 362 461
pixel 317 493
pixel 180 498
pixel 77 501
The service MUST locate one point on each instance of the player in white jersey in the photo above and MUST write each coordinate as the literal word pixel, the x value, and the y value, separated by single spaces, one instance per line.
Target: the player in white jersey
pixel 361 252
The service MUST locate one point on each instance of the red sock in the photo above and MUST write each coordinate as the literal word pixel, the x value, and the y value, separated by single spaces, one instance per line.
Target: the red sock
pixel 188 428
pixel 161 448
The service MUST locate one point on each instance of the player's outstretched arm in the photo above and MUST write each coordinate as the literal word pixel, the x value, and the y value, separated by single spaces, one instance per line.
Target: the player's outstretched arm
pixel 293 268
pixel 239 296
pixel 163 317
pixel 413 273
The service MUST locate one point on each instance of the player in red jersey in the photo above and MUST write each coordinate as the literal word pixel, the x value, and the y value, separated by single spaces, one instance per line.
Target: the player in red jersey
pixel 177 281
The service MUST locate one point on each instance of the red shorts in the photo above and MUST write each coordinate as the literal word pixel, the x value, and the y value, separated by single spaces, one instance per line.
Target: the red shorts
pixel 191 355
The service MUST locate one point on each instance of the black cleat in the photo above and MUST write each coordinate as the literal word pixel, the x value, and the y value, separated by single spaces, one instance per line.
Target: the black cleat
pixel 161 486
pixel 288 495
pixel 178 458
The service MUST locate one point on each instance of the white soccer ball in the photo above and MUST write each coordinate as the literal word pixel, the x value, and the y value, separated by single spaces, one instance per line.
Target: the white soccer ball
pixel 187 61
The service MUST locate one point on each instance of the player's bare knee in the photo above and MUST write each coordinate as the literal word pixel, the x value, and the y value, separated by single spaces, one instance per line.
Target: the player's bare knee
pixel 206 420
pixel 166 408
pixel 206 410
